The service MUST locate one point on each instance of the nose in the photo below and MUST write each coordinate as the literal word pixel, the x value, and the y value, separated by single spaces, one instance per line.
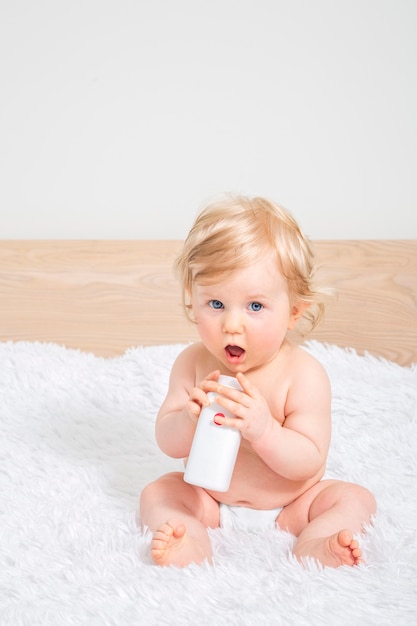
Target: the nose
pixel 233 322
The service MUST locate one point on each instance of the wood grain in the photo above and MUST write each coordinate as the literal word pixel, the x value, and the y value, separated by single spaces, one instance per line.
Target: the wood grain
pixel 100 296
pixel 106 296
pixel 375 304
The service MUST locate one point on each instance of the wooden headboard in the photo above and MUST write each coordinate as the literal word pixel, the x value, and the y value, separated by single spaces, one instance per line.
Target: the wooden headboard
pixel 106 296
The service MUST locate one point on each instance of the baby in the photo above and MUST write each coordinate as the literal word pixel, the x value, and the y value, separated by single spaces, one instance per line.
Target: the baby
pixel 247 275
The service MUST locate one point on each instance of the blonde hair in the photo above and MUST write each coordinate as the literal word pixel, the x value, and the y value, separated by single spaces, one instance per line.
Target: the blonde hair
pixel 235 232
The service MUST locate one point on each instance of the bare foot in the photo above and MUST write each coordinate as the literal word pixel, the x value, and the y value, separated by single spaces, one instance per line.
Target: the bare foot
pixel 171 545
pixel 334 551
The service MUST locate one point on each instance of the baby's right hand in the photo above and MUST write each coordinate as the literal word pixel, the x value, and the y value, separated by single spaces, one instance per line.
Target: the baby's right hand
pixel 198 397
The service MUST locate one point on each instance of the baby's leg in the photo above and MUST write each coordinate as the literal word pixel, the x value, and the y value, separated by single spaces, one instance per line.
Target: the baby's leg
pixel 324 520
pixel 179 515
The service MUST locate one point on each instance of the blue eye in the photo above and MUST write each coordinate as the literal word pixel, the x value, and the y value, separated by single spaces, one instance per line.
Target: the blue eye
pixel 256 306
pixel 216 304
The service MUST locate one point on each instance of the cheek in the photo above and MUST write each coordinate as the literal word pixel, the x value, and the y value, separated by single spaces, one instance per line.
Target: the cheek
pixel 207 327
pixel 268 335
pixel 271 334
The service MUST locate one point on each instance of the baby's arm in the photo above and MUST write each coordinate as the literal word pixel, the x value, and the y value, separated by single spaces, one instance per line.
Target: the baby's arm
pixel 298 449
pixel 177 417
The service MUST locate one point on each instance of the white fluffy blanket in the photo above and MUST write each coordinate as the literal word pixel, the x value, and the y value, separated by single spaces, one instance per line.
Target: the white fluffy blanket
pixel 76 448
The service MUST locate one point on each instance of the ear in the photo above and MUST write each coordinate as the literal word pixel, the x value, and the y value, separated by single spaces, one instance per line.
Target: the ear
pixel 297 311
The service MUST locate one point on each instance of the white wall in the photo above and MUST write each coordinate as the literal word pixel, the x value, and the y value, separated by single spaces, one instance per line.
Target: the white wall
pixel 118 118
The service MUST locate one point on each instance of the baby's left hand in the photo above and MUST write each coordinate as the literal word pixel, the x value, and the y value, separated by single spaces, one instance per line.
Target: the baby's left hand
pixel 253 417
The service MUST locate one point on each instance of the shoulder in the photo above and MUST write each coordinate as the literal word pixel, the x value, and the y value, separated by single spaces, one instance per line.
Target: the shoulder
pixel 189 359
pixel 193 352
pixel 304 364
pixel 309 388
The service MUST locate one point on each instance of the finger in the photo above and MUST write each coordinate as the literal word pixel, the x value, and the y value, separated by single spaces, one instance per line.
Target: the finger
pixel 209 383
pixel 232 399
pixel 248 387
pixel 232 422
pixel 193 410
pixel 214 375
pixel 235 406
pixel 199 398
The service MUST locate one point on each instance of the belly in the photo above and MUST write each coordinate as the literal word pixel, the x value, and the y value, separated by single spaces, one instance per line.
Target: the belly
pixel 255 485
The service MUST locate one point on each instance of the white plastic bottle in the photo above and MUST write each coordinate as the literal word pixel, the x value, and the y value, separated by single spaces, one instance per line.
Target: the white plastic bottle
pixel 214 449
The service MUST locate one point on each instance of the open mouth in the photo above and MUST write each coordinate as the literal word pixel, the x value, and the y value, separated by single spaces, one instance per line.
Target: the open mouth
pixel 234 353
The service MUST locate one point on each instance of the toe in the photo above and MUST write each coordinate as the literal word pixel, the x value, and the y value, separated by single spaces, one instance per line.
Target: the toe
pixel 345 538
pixel 177 528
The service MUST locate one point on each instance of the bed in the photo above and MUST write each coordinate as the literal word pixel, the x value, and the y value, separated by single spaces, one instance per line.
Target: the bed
pixel 88 333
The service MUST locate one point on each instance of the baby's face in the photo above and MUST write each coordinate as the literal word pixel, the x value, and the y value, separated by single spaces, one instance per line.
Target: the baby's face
pixel 243 319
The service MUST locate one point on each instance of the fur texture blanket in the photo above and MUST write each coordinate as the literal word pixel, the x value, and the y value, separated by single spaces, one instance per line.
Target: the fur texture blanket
pixel 76 448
